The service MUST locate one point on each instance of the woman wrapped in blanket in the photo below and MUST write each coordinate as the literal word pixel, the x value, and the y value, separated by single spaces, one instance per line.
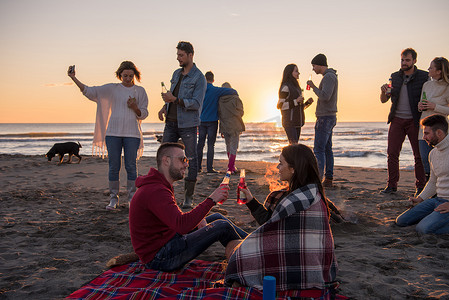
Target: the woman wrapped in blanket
pixel 294 242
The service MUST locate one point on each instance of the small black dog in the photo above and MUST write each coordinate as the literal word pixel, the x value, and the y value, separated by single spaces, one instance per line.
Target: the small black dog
pixel 62 148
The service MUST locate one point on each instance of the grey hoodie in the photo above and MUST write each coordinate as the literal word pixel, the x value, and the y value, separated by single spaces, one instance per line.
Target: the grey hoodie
pixel 327 94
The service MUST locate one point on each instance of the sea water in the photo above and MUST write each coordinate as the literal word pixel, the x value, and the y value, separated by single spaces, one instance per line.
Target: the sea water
pixel 359 144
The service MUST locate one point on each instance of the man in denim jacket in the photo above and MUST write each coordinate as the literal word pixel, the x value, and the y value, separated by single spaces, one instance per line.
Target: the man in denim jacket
pixel 182 112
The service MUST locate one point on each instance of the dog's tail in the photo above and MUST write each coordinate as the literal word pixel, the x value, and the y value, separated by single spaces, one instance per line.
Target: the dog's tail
pixel 80 145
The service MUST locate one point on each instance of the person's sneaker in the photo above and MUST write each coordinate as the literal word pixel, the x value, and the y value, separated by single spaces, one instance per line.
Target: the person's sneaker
pixel 417 192
pixel 389 190
pixel 212 172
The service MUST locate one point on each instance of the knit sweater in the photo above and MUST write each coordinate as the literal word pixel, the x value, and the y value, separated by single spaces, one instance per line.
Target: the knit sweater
pixel 439 172
pixel 114 117
pixel 437 91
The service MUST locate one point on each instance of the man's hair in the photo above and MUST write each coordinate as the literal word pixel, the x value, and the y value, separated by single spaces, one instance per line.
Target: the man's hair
pixel 408 51
pixel 435 122
pixel 209 76
pixel 164 150
pixel 185 46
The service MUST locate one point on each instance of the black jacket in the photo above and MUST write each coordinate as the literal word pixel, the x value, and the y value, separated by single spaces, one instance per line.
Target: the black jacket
pixel 414 87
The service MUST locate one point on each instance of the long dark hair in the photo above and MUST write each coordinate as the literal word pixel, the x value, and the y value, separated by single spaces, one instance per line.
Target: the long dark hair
pixel 303 161
pixel 287 77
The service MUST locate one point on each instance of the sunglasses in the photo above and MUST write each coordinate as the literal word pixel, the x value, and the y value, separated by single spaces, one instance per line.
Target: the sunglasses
pixel 182 159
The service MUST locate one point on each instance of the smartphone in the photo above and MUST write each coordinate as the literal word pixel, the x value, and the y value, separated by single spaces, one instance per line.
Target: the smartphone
pixel 72 69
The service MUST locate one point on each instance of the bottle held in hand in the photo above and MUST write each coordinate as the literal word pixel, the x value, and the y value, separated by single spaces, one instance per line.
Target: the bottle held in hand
pixel 241 197
pixel 424 99
pixel 390 83
pixel 308 86
pixel 225 182
pixel 164 89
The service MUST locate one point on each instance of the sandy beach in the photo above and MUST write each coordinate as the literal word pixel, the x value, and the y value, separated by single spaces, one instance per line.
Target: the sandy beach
pixel 57 236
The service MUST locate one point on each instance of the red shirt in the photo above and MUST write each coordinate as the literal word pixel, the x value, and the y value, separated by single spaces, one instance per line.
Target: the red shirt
pixel 155 218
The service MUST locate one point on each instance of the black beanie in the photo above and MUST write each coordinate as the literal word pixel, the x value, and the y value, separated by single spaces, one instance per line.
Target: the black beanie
pixel 320 60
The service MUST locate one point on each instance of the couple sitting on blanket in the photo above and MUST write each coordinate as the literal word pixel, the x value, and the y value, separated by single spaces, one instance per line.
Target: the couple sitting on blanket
pixel 294 242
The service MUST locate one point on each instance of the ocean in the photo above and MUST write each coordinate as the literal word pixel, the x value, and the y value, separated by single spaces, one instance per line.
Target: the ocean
pixel 358 144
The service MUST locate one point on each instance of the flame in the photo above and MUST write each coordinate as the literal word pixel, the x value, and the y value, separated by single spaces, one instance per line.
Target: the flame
pixel 272 178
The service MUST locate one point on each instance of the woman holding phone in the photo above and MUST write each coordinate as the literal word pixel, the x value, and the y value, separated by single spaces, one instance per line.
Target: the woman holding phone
pixel 121 107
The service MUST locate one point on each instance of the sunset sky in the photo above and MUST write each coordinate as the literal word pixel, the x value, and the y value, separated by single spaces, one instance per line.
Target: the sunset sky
pixel 247 43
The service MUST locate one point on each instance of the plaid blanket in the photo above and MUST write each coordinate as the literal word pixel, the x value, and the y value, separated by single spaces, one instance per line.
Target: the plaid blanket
pixel 197 280
pixel 295 246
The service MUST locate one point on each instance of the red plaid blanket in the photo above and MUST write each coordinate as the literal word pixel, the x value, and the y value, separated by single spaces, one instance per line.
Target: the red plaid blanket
pixel 197 280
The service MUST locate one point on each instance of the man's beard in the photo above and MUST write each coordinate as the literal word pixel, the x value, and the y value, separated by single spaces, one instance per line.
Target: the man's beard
pixel 175 174
pixel 407 68
pixel 433 142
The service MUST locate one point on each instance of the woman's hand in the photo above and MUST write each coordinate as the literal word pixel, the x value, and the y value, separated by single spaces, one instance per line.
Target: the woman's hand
pixel 132 104
pixel 71 71
pixel 248 194
pixel 300 99
pixel 443 208
pixel 426 105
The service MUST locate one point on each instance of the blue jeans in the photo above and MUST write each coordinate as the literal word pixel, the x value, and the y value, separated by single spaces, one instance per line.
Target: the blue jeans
pixel 293 134
pixel 424 150
pixel 130 145
pixel 428 220
pixel 183 248
pixel 208 129
pixel 188 135
pixel 322 146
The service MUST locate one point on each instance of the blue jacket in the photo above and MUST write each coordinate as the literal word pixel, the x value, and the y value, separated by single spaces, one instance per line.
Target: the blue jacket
pixel 191 91
pixel 209 113
pixel 414 87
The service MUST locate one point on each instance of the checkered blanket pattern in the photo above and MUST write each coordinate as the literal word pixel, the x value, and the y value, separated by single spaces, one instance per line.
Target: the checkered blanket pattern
pixel 197 280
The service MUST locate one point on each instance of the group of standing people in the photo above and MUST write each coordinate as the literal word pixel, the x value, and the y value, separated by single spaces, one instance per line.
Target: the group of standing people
pixel 419 110
pixel 291 103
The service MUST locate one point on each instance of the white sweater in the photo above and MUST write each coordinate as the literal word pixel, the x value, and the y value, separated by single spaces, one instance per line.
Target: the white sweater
pixel 122 120
pixel 439 171
pixel 437 91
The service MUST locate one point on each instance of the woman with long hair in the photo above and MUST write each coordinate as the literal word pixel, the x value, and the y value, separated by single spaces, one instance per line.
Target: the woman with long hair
pixel 294 242
pixel 291 103
pixel 436 92
pixel 121 107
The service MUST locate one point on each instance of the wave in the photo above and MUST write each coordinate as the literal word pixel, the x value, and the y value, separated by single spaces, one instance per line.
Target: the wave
pixel 357 153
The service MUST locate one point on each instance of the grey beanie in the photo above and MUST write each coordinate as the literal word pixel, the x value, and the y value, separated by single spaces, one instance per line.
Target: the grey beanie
pixel 320 60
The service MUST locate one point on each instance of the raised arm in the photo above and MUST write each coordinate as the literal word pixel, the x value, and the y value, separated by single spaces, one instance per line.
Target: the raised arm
pixel 71 74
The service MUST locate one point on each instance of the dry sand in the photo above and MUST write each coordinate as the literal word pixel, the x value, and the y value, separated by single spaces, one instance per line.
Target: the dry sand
pixel 56 234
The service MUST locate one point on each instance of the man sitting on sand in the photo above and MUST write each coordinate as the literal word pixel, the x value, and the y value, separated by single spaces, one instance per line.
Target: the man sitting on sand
pixel 162 235
pixel 432 215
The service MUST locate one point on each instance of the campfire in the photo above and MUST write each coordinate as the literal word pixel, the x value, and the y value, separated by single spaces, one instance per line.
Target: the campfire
pixel 272 178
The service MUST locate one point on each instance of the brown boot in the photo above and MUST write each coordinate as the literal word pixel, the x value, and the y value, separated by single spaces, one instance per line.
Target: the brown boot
pixel 327 183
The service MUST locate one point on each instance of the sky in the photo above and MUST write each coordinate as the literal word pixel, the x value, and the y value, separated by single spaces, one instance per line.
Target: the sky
pixel 247 43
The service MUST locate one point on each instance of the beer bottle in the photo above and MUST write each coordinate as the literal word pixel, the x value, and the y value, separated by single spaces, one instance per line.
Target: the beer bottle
pixel 164 89
pixel 308 86
pixel 241 197
pixel 225 181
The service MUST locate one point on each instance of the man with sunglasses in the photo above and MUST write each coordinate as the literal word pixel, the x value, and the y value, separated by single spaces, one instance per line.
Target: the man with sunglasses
pixel 164 237
pixel 404 118
pixel 182 112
